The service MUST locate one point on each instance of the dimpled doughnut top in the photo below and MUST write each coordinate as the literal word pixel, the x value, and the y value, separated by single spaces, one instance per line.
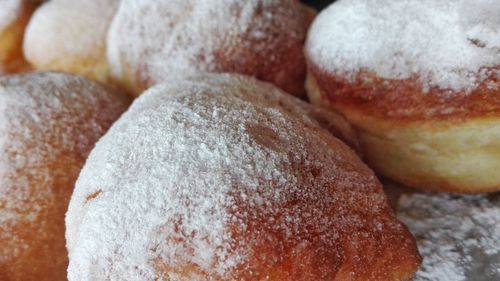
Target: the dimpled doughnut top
pixel 49 122
pixel 150 41
pixel 216 178
pixel 448 44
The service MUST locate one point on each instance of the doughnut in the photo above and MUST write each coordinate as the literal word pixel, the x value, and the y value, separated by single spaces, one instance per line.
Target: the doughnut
pixel 153 40
pixel 457 235
pixel 224 177
pixel 420 82
pixel 14 15
pixel 70 36
pixel 49 122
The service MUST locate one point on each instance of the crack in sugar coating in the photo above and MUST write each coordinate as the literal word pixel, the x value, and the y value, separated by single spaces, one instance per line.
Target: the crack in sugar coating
pixel 214 178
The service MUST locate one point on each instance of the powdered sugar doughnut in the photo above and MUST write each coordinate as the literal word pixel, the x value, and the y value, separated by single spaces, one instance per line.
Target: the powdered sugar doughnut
pixel 420 80
pixel 49 122
pixel 14 15
pixel 219 178
pixel 70 36
pixel 150 41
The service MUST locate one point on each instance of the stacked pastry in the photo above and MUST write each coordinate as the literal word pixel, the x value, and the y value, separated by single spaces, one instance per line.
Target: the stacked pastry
pixel 211 175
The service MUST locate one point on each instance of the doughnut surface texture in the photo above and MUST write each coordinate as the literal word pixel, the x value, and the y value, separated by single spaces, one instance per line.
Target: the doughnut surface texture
pixel 49 122
pixel 150 41
pixel 420 81
pixel 223 177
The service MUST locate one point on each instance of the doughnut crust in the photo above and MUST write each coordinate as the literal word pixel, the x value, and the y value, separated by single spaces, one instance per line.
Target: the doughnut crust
pixel 223 177
pixel 150 41
pixel 424 118
pixel 49 122
pixel 70 36
pixel 14 16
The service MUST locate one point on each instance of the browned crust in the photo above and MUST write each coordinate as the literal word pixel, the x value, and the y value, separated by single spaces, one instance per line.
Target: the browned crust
pixel 405 101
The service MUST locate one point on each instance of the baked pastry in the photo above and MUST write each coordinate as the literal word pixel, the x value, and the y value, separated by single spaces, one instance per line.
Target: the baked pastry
pixel 70 36
pixel 150 40
pixel 14 15
pixel 420 80
pixel 457 235
pixel 49 122
pixel 223 177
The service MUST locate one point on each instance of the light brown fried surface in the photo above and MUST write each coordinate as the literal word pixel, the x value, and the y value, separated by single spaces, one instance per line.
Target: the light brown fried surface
pixel 48 124
pixel 435 141
pixel 403 101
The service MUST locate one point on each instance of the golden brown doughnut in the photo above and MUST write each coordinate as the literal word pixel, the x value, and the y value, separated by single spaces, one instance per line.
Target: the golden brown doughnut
pixel 223 177
pixel 70 36
pixel 49 122
pixel 425 98
pixel 14 15
pixel 150 41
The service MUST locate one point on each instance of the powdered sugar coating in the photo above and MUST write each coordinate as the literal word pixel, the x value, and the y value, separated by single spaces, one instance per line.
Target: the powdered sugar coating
pixel 458 236
pixel 215 178
pixel 433 40
pixel 480 20
pixel 150 41
pixel 49 122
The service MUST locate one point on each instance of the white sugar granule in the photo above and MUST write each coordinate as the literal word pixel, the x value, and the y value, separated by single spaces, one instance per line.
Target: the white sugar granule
pixel 458 236
pixel 445 43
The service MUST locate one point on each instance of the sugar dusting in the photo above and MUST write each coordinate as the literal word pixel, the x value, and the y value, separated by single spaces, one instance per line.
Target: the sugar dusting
pixel 458 236
pixel 44 117
pixel 164 39
pixel 197 171
pixel 480 20
pixel 449 44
